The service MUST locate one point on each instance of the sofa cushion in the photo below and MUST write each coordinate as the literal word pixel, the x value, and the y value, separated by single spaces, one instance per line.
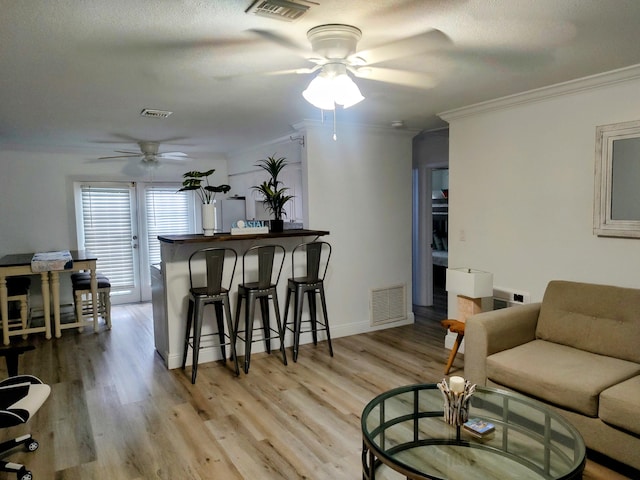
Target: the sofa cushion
pixel 597 318
pixel 564 376
pixel 619 405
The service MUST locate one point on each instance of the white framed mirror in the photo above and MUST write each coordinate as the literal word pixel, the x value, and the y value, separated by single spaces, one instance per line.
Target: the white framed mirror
pixel 617 182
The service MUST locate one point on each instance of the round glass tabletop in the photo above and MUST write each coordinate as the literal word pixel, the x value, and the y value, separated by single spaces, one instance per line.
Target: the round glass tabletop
pixel 405 436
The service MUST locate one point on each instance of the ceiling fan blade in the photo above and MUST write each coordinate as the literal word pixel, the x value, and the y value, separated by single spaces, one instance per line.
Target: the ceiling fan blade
pixel 121 156
pixel 299 71
pixel 173 159
pixel 421 43
pixel 399 77
pixel 171 154
pixel 273 37
pixel 291 71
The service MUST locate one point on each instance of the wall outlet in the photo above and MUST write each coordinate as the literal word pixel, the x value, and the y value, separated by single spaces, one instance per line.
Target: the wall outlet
pixel 506 297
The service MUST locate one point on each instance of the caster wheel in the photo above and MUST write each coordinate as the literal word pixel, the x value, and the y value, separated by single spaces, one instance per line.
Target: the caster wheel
pixel 32 446
pixel 25 475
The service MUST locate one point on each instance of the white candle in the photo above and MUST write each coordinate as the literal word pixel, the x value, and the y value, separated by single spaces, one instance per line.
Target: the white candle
pixel 456 384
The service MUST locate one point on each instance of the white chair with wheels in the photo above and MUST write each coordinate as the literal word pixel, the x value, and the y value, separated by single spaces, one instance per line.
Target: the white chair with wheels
pixel 21 396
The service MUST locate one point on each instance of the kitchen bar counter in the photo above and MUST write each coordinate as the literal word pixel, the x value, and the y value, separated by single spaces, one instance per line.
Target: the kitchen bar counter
pixel 170 283
pixel 226 236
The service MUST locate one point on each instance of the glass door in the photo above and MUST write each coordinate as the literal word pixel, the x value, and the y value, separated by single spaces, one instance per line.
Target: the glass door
pixel 107 227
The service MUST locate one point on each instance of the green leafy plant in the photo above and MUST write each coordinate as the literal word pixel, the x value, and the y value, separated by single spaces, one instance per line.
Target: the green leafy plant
pixel 274 195
pixel 207 193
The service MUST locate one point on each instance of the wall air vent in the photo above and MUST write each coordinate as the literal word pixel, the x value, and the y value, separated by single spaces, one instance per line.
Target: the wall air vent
pixel 279 9
pixel 149 112
pixel 388 304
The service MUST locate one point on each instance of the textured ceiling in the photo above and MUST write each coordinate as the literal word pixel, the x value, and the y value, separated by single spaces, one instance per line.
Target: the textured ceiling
pixel 75 74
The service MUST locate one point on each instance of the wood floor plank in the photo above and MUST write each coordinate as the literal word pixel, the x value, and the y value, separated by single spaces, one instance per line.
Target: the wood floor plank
pixel 116 412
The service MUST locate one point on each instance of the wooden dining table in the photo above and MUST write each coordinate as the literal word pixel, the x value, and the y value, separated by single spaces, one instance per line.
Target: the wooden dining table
pixel 20 265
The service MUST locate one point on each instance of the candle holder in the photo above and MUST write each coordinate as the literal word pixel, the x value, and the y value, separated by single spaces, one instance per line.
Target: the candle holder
pixel 456 396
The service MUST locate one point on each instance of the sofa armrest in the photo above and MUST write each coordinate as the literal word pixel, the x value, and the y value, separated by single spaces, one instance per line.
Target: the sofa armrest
pixel 490 332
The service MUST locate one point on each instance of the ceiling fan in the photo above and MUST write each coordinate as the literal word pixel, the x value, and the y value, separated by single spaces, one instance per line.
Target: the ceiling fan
pixel 149 154
pixel 334 52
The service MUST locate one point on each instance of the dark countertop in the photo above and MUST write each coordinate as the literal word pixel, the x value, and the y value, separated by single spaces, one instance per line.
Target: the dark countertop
pixel 226 237
pixel 21 259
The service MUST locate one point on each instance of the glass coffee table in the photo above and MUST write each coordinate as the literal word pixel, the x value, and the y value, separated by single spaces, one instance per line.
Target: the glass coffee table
pixel 405 436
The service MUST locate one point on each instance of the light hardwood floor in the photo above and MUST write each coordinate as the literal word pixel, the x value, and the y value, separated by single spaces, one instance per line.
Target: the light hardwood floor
pixel 115 412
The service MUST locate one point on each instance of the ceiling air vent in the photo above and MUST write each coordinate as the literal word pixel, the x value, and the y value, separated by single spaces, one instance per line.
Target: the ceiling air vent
pixel 278 9
pixel 149 112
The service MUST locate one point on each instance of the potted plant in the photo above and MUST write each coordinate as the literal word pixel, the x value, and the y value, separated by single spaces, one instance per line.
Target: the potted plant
pixel 274 195
pixel 207 193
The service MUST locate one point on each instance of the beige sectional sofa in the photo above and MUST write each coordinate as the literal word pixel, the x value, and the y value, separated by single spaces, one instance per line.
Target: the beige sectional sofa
pixel 578 351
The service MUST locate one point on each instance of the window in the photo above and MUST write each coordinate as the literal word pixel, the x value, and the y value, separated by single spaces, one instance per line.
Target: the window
pixel 168 212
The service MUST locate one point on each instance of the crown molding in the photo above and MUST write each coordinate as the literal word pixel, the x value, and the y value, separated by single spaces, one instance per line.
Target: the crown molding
pixel 539 94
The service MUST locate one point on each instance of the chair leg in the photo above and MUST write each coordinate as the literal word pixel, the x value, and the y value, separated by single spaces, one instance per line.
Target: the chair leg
pixel 266 322
pixel 326 319
pixel 311 296
pixel 237 319
pixel 299 303
pixel 78 298
pixel 453 353
pixel 286 309
pixel 107 308
pixel 197 331
pixel 187 334
pixel 279 324
pixel 220 321
pixel 232 337
pixel 249 314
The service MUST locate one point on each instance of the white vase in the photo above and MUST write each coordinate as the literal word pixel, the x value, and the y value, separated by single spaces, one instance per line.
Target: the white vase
pixel 208 219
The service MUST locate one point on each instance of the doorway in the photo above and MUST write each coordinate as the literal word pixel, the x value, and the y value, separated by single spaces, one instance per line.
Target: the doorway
pixel 119 222
pixel 430 219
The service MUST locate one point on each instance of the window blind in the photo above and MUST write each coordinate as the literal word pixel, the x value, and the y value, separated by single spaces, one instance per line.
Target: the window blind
pixel 108 234
pixel 168 213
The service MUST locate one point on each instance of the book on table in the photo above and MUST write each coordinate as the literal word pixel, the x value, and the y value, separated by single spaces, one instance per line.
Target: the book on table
pixel 479 427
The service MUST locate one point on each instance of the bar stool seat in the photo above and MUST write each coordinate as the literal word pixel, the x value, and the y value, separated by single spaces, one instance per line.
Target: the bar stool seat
pixel 260 261
pixel 454 326
pixel 81 284
pixel 210 291
pixel 316 254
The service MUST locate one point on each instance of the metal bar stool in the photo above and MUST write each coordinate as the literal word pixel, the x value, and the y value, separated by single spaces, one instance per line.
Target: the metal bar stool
pixel 316 254
pixel 210 290
pixel 263 263
pixel 81 283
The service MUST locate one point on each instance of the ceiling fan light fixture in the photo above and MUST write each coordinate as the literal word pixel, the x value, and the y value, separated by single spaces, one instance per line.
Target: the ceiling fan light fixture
pixel 332 86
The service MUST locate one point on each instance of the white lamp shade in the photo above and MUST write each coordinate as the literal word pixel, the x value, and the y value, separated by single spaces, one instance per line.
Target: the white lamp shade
pixel 319 94
pixel 329 88
pixel 345 91
pixel 470 283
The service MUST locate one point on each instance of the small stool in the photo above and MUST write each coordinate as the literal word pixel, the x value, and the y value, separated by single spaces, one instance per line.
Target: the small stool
pixel 454 326
pixel 316 254
pixel 260 259
pixel 210 291
pixel 81 283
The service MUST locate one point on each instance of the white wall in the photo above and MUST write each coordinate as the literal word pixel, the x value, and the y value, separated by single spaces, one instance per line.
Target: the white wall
pixel 36 188
pixel 522 186
pixel 243 174
pixel 359 188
